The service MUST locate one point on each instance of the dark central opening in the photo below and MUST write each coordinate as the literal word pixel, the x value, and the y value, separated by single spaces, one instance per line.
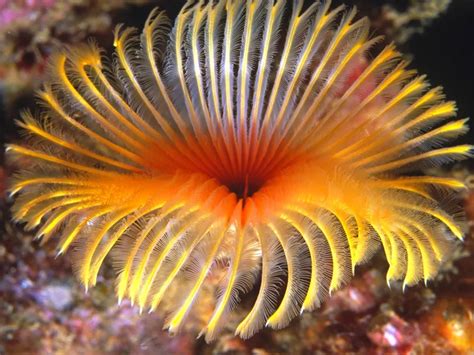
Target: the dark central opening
pixel 244 188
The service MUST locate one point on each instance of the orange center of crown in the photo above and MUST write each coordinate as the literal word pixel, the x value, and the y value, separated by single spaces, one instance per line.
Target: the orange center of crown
pixel 244 167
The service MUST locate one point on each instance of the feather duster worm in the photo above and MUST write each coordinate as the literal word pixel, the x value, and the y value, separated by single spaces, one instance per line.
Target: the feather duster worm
pixel 252 137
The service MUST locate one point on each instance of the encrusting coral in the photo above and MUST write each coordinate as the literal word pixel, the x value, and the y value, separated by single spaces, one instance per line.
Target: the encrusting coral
pixel 414 18
pixel 251 137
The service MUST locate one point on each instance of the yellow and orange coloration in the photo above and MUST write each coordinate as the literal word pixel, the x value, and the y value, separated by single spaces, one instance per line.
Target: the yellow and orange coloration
pixel 253 136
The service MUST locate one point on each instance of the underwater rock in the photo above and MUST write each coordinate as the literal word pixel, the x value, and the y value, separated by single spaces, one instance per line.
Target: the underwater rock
pixel 57 297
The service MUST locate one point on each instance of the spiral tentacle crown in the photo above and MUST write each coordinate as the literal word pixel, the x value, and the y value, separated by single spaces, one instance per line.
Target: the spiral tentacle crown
pixel 254 140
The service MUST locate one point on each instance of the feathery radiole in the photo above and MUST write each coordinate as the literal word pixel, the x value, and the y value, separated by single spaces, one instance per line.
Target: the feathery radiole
pixel 253 137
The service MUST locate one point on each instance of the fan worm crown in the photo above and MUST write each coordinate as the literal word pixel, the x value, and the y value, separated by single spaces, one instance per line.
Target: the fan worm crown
pixel 250 140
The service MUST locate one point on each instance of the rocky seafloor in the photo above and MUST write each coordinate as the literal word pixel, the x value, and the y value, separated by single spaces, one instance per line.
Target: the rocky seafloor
pixel 45 310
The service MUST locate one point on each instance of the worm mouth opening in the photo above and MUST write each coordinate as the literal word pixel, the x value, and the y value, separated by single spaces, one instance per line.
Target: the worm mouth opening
pixel 244 187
